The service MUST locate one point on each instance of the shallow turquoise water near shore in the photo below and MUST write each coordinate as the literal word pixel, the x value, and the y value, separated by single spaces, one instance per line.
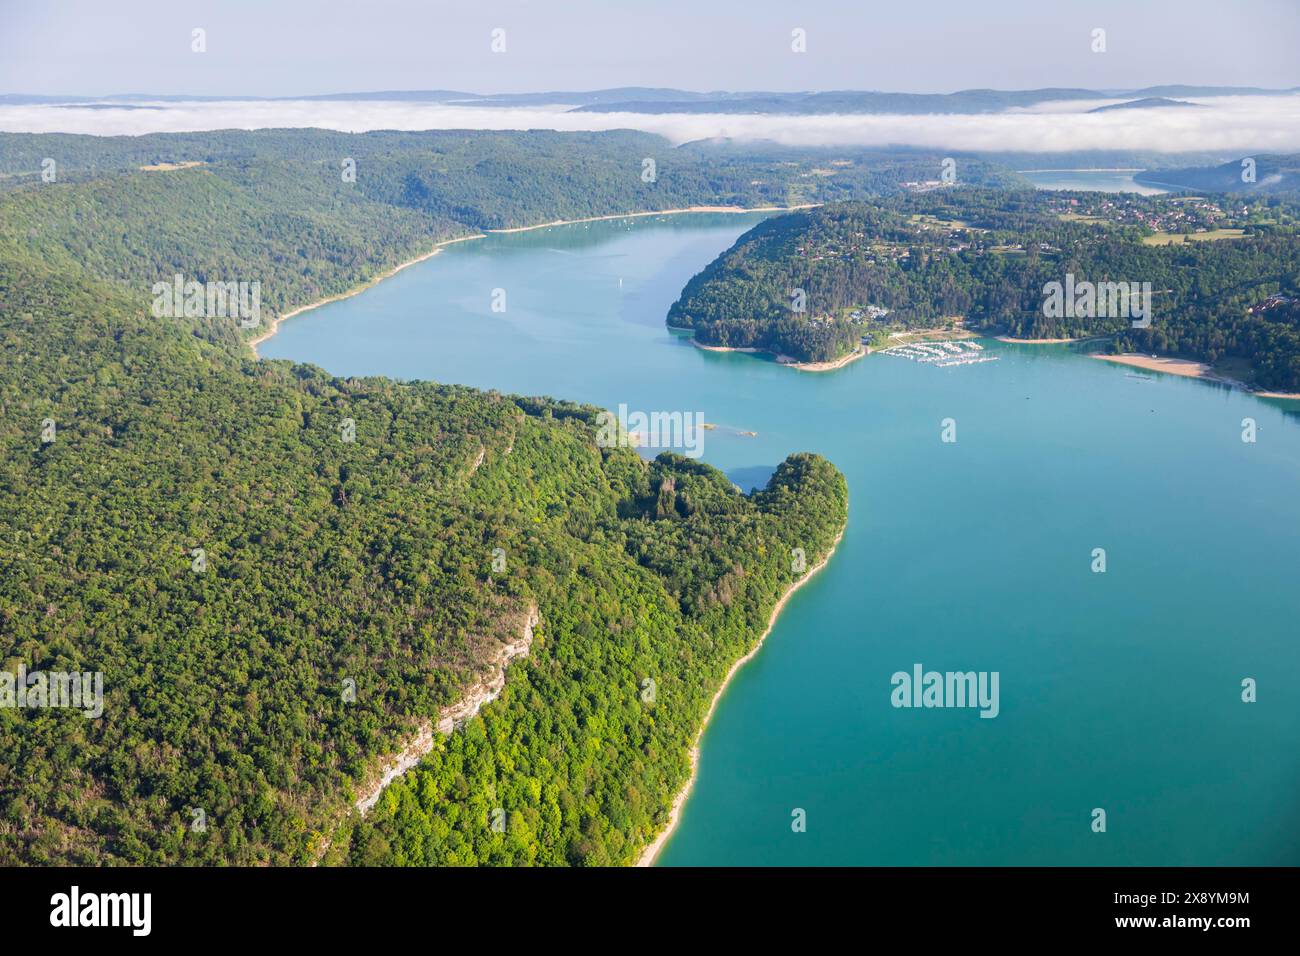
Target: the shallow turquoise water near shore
pixel 1118 690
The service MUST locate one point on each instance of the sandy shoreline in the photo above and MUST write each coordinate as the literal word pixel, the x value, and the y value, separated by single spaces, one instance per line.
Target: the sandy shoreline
pixel 656 212
pixel 786 360
pixel 1172 366
pixel 1186 368
pixel 652 850
pixel 745 349
pixel 275 325
pixel 860 352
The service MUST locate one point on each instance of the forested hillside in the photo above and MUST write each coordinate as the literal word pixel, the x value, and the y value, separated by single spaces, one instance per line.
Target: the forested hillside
pixel 645 615
pixel 1251 174
pixel 282 574
pixel 985 257
pixel 493 180
pixel 287 227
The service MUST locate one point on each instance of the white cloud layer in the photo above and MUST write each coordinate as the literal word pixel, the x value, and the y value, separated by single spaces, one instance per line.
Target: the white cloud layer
pixel 1231 124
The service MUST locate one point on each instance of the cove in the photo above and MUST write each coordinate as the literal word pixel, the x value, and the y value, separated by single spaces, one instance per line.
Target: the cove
pixel 1118 690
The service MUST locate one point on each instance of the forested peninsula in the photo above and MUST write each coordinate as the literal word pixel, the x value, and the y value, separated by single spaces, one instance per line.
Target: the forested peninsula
pixel 813 284
pixel 283 575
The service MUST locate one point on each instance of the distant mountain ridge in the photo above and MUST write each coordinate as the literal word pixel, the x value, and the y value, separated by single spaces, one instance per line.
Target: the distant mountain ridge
pixel 637 99
pixel 1146 103
pixel 962 101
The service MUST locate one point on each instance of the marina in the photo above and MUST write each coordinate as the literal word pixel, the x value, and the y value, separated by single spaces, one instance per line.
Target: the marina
pixel 943 354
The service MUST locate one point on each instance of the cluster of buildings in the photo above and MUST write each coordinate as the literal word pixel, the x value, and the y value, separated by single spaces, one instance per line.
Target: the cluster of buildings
pixel 1272 302
pixel 1172 216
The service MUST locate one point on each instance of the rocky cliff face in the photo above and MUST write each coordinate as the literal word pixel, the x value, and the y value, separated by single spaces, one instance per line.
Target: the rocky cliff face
pixel 494 680
pixel 483 691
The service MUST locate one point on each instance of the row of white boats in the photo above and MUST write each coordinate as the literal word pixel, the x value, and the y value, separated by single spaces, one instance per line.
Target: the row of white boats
pixel 942 354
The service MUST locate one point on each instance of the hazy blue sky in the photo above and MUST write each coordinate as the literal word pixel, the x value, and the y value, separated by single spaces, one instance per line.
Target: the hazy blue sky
pixel 285 47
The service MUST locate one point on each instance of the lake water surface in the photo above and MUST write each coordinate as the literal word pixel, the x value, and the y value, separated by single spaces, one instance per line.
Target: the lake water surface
pixel 1119 691
pixel 1090 180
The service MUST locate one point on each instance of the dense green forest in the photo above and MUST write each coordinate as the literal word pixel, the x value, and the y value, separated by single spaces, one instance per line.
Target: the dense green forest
pixel 985 257
pixel 272 222
pixel 493 180
pixel 235 544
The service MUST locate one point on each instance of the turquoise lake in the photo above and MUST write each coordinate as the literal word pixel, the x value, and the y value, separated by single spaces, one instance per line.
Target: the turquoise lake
pixel 1090 180
pixel 1119 691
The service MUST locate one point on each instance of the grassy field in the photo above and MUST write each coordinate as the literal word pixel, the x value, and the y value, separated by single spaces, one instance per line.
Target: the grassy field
pixel 926 220
pixel 952 330
pixel 1169 238
pixel 164 167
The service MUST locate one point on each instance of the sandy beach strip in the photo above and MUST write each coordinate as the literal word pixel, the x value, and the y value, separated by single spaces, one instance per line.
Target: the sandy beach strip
pixel 1172 366
pixel 652 850
pixel 1187 368
pixel 727 348
pixel 831 366
pixel 786 360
